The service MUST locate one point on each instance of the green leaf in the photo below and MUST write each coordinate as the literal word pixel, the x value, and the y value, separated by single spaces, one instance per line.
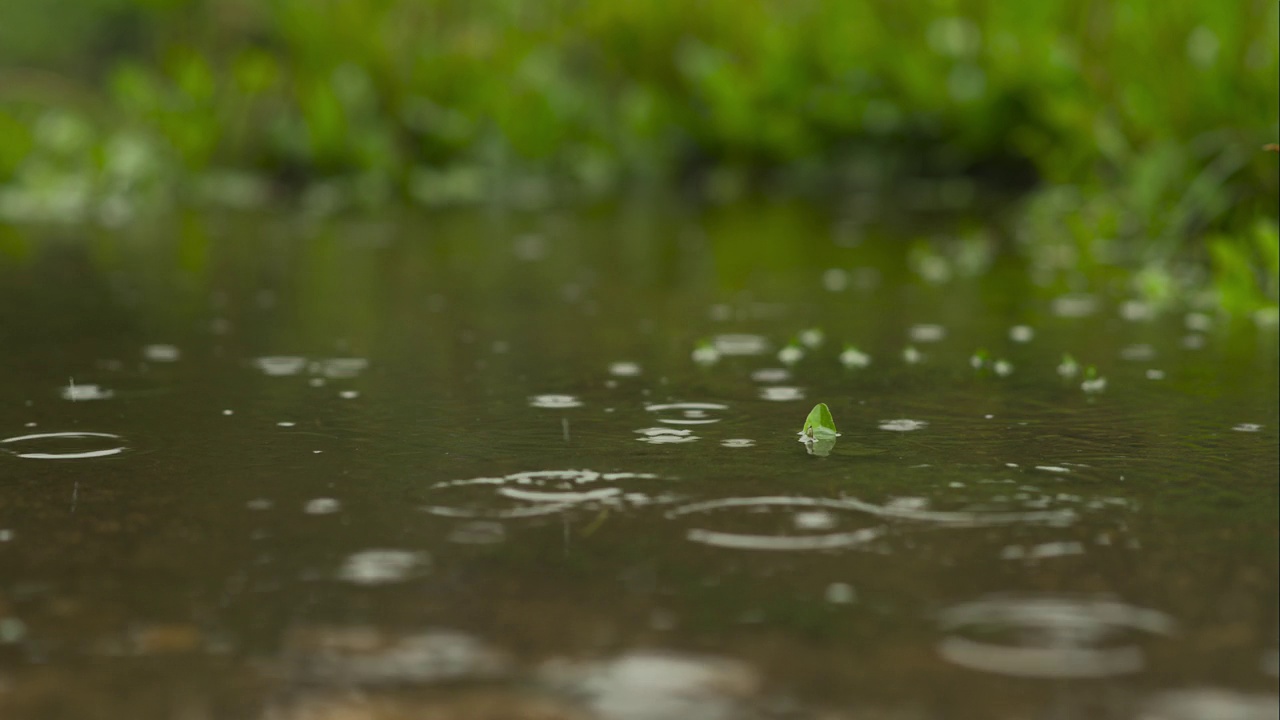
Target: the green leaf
pixel 820 424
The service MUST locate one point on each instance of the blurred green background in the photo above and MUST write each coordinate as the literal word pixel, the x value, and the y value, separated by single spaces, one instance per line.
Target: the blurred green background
pixel 1126 135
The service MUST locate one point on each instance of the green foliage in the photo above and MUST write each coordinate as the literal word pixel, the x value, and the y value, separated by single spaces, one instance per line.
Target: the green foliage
pixel 1142 117
pixel 819 424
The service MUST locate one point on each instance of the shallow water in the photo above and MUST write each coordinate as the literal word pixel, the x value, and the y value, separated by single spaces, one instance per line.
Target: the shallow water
pixel 482 466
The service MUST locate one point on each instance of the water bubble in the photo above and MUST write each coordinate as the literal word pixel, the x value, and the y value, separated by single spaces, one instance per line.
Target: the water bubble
pixel 349 394
pixel 1049 636
pixel 161 353
pixel 380 567
pixel 555 402
pixel 1247 427
pixel 781 393
pixel 58 443
pixel 692 413
pixel 912 356
pixel 902 425
pixel 737 443
pixel 1154 374
pixel 1002 368
pixel 286 424
pixel 1022 333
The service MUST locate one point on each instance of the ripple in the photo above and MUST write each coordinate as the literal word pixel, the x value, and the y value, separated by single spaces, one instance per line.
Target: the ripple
pixel 339 368
pixel 802 520
pixel 65 454
pixel 1247 427
pixel 688 413
pixel 902 425
pixel 539 492
pixel 554 402
pixel 666 436
pixel 1049 636
pixel 738 442
pixel 381 567
pixel 322 506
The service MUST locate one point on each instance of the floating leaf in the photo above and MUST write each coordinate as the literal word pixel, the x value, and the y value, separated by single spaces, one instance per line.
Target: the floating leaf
pixel 819 424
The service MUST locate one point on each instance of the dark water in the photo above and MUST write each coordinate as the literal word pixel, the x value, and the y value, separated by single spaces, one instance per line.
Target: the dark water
pixel 467 467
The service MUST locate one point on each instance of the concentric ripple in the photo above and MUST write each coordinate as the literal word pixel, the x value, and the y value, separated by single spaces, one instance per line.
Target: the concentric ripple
pixel 57 447
pixel 1049 636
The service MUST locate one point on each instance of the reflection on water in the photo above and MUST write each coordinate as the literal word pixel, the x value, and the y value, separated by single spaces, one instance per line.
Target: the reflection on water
pixel 379 469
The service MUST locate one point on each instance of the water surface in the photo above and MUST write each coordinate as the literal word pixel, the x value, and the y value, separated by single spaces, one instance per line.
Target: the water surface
pixel 488 463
